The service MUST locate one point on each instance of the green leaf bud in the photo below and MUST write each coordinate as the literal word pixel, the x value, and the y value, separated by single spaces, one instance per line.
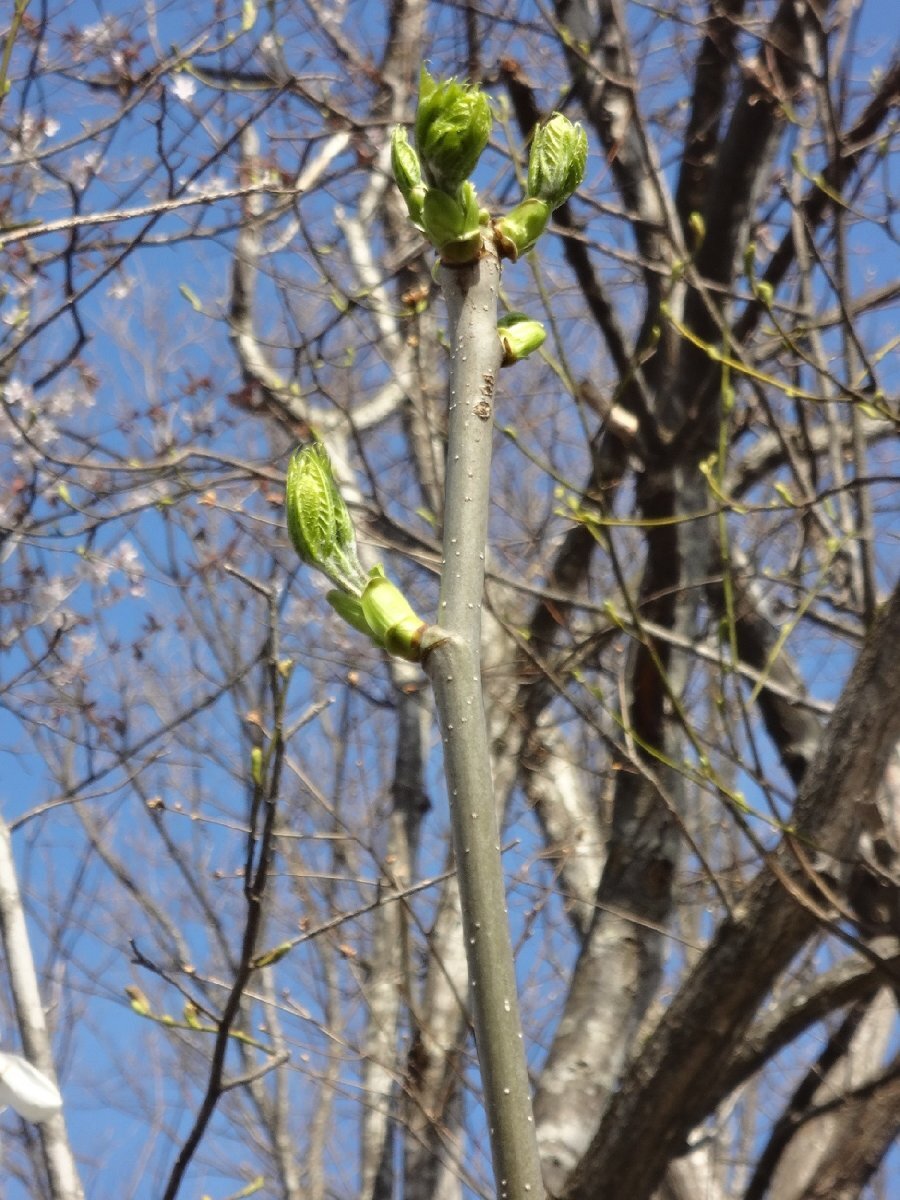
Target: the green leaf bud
pixel 453 223
pixel 408 173
pixel 391 619
pixel 383 614
pixel 269 957
pixel 139 1002
pixel 318 521
pixel 453 124
pixel 557 161
pixel 192 1015
pixel 520 335
pixel 518 231
pixel 765 292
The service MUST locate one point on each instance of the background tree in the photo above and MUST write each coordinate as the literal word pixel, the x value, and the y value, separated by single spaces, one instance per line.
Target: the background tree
pixel 222 799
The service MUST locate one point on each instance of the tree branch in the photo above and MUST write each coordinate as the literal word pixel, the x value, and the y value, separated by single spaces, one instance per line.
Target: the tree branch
pixel 674 1082
pixel 452 661
pixel 62 1172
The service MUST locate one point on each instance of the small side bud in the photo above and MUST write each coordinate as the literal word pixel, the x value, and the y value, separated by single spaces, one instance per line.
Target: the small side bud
pixel 408 174
pixel 520 336
pixel 453 124
pixel 557 161
pixel 765 293
pixel 269 957
pixel 192 1015
pixel 517 232
pixel 256 766
pixel 318 520
pixel 139 1002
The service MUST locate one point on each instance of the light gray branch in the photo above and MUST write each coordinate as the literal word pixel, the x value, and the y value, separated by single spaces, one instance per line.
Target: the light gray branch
pixel 452 661
pixel 433 1076
pixel 61 1169
pixel 389 954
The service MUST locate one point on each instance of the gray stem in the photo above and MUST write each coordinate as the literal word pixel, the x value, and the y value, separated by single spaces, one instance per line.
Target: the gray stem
pixel 452 660
pixel 62 1173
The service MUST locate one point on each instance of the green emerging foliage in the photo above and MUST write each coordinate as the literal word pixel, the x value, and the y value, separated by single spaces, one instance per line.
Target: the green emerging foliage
pixel 318 520
pixel 557 161
pixel 453 124
pixel 520 335
pixel 383 614
pixel 453 223
pixel 391 619
pixel 556 167
pixel 518 231
pixel 320 528
pixel 408 174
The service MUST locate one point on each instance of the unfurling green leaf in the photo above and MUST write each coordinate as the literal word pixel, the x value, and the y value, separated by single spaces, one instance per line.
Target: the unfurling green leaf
pixel 318 520
pixel 520 229
pixel 453 124
pixel 453 223
pixel 408 174
pixel 557 161
pixel 519 335
pixel 555 169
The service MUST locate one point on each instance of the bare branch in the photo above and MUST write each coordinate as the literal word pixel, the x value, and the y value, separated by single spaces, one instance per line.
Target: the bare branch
pixel 770 928
pixel 62 1172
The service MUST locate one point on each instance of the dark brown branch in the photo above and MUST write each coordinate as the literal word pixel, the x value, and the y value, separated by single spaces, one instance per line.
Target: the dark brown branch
pixel 757 122
pixel 796 1111
pixel 260 853
pixel 868 1130
pixel 715 63
pixel 605 82
pixel 853 980
pixel 675 1082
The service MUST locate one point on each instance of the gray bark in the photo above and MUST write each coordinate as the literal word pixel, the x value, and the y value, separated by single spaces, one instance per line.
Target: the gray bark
pixel 62 1172
pixel 674 1081
pixel 452 653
